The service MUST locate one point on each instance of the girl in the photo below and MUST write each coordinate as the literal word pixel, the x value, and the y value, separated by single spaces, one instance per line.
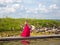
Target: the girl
pixel 26 30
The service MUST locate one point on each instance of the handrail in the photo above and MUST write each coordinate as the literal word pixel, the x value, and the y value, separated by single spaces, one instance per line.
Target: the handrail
pixel 28 38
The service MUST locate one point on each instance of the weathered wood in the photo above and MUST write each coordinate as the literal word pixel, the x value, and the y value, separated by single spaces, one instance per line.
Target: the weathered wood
pixel 28 38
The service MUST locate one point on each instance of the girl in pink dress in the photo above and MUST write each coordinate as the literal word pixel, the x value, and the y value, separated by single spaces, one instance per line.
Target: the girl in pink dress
pixel 26 30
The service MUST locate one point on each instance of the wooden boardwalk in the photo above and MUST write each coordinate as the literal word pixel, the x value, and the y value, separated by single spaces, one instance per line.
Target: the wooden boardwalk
pixel 28 38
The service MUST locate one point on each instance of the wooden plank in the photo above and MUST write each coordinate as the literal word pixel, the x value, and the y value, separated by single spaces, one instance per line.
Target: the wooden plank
pixel 28 38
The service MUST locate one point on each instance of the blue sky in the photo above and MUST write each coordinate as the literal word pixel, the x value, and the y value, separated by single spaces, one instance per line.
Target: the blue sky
pixel 39 9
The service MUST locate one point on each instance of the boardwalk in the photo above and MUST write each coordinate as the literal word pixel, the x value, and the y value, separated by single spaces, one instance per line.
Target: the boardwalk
pixel 25 38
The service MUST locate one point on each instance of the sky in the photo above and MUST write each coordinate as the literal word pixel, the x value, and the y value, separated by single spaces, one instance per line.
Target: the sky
pixel 38 9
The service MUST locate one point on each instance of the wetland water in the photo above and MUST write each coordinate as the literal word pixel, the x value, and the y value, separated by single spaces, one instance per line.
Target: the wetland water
pixel 51 41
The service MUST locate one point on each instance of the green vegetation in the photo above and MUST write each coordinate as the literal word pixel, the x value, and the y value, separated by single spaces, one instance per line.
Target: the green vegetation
pixel 8 24
pixel 12 27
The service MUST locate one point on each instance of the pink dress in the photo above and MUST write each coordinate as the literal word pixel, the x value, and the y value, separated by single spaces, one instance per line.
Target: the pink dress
pixel 26 31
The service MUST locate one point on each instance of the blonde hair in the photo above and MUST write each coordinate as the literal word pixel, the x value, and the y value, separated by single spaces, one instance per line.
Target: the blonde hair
pixel 26 21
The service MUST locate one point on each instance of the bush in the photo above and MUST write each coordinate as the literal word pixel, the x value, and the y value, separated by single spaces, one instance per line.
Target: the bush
pixel 7 24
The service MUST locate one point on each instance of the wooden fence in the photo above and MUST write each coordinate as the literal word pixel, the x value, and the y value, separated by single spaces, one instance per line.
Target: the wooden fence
pixel 28 38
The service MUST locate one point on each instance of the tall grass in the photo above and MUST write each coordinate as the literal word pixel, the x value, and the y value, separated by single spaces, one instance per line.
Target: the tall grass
pixel 8 24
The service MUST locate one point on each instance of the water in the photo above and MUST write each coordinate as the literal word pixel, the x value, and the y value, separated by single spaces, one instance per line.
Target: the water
pixel 54 41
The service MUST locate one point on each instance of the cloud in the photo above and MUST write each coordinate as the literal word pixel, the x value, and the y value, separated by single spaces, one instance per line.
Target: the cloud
pixel 42 9
pixel 15 5
pixel 6 1
pixel 2 5
pixel 28 1
pixel 48 8
pixel 53 6
pixel 28 7
pixel 9 8
pixel 18 0
pixel 9 1
pixel 31 10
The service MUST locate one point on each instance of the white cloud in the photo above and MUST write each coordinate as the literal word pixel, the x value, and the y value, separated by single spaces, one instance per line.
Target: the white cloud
pixel 40 5
pixel 28 1
pixel 6 1
pixel 11 6
pixel 9 1
pixel 28 10
pixel 15 5
pixel 9 9
pixel 45 9
pixel 18 0
pixel 53 6
pixel 42 8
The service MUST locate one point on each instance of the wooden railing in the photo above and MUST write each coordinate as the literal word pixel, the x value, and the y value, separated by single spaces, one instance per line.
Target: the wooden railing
pixel 28 38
